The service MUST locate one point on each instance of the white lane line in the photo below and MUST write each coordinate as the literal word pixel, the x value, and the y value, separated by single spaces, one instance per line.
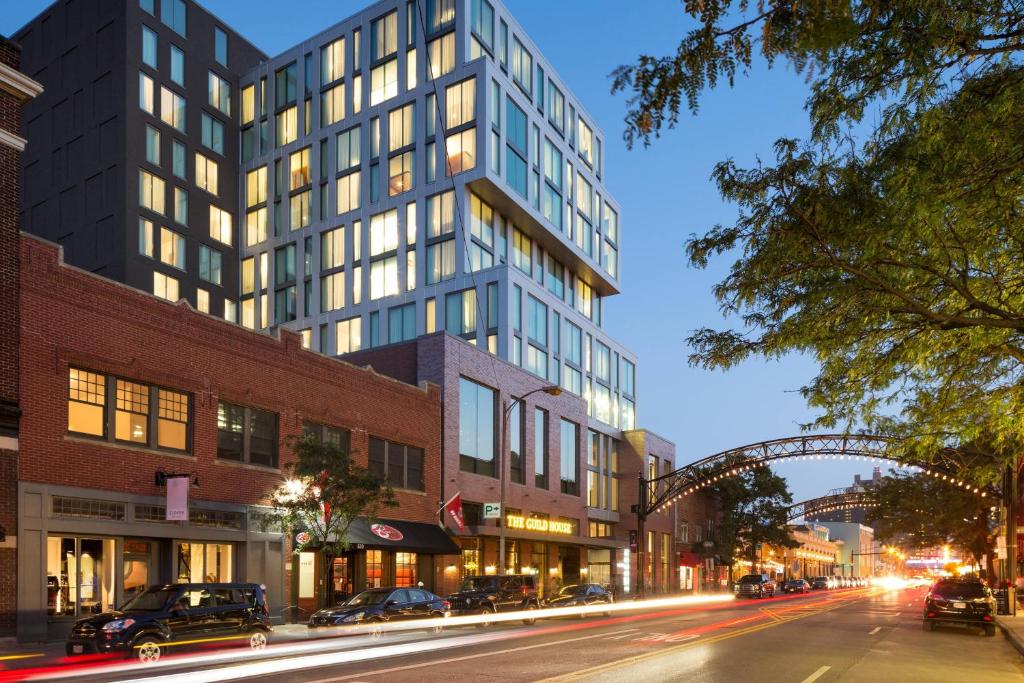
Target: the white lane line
pixel 875 630
pixel 816 675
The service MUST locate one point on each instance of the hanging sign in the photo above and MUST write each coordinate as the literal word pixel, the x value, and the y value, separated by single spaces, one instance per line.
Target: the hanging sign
pixel 177 499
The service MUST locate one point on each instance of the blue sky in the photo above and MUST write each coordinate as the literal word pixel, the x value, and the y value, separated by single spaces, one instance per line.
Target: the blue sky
pixel 666 195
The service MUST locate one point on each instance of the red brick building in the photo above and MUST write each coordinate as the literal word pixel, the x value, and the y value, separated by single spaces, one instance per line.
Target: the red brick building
pixel 15 90
pixel 118 386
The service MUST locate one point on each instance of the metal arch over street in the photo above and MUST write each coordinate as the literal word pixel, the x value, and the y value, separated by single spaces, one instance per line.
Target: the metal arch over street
pixel 661 491
pixel 837 501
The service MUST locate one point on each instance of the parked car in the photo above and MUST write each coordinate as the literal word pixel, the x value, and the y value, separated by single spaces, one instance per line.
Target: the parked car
pixel 161 617
pixel 796 586
pixel 491 594
pixel 379 605
pixel 960 601
pixel 755 586
pixel 821 583
pixel 579 595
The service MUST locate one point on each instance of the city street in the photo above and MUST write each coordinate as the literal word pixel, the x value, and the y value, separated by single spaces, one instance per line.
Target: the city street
pixel 854 635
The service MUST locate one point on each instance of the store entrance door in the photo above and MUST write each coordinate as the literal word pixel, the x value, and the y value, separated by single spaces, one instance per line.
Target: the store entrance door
pixel 570 560
pixel 307 574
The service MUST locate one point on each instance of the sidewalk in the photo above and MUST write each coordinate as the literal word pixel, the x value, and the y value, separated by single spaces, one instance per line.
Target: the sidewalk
pixel 1013 628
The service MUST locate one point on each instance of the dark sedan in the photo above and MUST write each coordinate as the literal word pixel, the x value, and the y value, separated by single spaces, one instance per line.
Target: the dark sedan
pixel 581 595
pixel 796 586
pixel 381 605
pixel 958 601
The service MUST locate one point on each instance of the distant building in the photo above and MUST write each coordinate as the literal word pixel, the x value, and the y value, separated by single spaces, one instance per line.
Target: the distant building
pixel 857 554
pixel 852 515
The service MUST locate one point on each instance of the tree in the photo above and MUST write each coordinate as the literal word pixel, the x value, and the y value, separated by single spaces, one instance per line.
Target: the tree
pixel 327 490
pixel 893 259
pixel 754 506
pixel 921 512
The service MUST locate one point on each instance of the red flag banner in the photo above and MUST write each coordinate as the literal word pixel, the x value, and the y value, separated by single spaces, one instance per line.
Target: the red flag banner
pixel 454 509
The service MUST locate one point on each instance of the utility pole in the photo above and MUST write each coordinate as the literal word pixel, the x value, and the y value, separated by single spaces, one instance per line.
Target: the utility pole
pixel 641 517
pixel 1011 532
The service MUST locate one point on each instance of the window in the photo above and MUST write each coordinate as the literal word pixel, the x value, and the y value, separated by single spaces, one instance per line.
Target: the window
pixel 552 164
pixel 180 206
pixel 151 192
pixel 332 248
pixel 284 264
pixel 461 151
pixel 221 228
pixel 287 124
pixel 178 159
pixel 384 36
pixel 348 192
pixel 522 251
pixel 383 232
pixel 515 441
pixel 256 186
pixel 399 465
pixel 146 237
pixel 165 286
pixel 209 264
pixel 522 67
pixel 440 212
pixel 440 14
pixel 255 226
pixel 284 305
pixel 86 399
pixel 332 292
pixel 584 196
pixel 628 377
pixel 515 156
pixel 482 22
pixel 556 106
pixel 357 92
pixel 152 145
pixel 177 66
pixel 286 85
pixel 172 109
pixel 146 6
pixel 536 361
pixel 348 149
pixel 440 264
pixel 402 323
pixel 384 82
pixel 145 93
pixel 325 434
pixel 332 105
pixel 301 209
pixel 476 427
pixel 298 167
pixel 400 170
pixel 384 278
pixel 584 298
pixel 602 361
pixel 568 455
pixel 586 141
pixel 213 133
pixel 348 335
pixel 206 173
pixel 540 448
pixel 172 13
pixel 537 320
pixel 332 61
pixel 246 434
pixel 220 46
pixel 148 46
pixel 401 127
pixel 410 69
pixel 172 248
pixel 219 94
pixel 481 220
pixel 441 55
pixel 556 277
pixel 460 103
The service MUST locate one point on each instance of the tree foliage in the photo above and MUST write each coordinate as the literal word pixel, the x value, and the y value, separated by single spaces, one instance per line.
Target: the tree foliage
pixel 920 512
pixel 754 506
pixel 893 260
pixel 326 492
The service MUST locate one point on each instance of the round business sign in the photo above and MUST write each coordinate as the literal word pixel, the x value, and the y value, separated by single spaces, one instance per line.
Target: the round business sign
pixel 388 533
pixel 302 537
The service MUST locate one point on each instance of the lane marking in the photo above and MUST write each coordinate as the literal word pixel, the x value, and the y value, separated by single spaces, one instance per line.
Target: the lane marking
pixel 816 675
pixel 875 630
pixel 7 658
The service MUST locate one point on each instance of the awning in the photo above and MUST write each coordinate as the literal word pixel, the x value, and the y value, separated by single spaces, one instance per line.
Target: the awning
pixel 393 534
pixel 687 559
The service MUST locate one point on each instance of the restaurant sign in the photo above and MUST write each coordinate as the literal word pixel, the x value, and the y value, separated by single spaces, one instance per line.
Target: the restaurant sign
pixel 538 524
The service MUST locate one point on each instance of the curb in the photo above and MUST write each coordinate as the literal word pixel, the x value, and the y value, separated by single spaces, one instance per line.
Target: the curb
pixel 1011 636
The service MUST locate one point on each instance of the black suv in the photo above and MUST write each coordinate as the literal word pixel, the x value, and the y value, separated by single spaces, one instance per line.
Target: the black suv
pixel 489 594
pixel 162 616
pixel 755 586
pixel 960 601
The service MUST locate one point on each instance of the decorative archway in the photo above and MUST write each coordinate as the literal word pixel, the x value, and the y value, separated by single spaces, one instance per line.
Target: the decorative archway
pixel 850 500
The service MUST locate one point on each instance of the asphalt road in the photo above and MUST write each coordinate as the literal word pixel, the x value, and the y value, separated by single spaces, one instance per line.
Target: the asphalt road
pixel 858 635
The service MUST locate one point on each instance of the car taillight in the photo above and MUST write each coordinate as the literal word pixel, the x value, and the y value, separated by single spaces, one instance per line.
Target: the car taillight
pixel 987 617
pixel 931 614
pixel 446 605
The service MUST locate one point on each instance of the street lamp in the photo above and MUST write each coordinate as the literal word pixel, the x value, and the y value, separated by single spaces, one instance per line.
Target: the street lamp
pixel 551 390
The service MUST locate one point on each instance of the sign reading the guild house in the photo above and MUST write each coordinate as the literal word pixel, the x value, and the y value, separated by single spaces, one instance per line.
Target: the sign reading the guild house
pixel 540 525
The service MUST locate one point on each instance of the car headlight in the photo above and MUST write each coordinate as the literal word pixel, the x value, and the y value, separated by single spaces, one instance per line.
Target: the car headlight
pixel 118 624
pixel 358 616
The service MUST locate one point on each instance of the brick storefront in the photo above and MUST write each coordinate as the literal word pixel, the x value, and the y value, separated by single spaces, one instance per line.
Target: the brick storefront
pixel 72 319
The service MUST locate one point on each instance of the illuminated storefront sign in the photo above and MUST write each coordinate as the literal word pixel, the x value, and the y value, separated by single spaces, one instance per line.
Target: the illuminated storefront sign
pixel 540 525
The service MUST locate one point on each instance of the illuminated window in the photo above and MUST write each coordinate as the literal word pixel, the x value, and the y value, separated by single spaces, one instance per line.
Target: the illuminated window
pixel 410 69
pixel 440 264
pixel 441 55
pixel 384 37
pixel 461 151
pixel 440 213
pixel 401 127
pixel 400 170
pixel 348 335
pixel 256 186
pixel 131 413
pixel 332 105
pixel 206 173
pixel 384 82
pixel 332 292
pixel 301 206
pixel 357 94
pixel 332 61
pixel 522 251
pixel 172 248
pixel 221 228
pixel 86 399
pixel 460 103
pixel 332 248
pixel 481 220
pixel 145 93
pixel 439 14
pixel 255 226
pixel 165 286
pixel 219 92
pixel 287 124
pixel 348 192
pixel 522 66
pixel 298 166
pixel 151 192
pixel 146 239
pixel 384 278
pixel 405 569
pixel 248 275
pixel 248 104
pixel 586 141
pixel 348 149
pixel 383 232
pixel 172 109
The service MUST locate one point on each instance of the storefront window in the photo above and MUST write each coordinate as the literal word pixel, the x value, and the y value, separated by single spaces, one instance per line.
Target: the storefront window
pixel 374 568
pixel 204 562
pixel 599 566
pixel 512 557
pixel 405 569
pixel 137 556
pixel 79 575
pixel 470 558
pixel 342 579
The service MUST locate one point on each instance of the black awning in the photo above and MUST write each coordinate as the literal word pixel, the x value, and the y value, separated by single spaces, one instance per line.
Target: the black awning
pixel 393 534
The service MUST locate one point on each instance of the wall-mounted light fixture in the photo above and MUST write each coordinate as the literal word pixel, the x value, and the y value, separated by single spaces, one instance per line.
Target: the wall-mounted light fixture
pixel 160 477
